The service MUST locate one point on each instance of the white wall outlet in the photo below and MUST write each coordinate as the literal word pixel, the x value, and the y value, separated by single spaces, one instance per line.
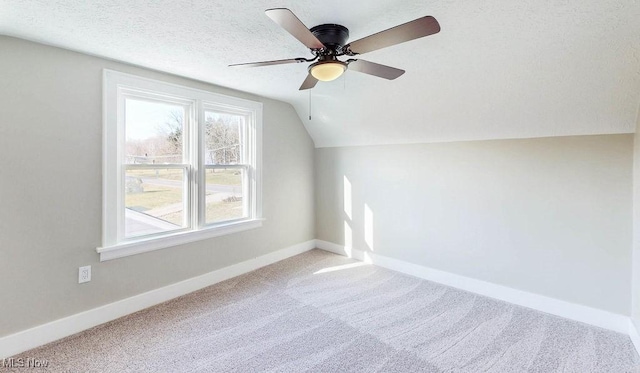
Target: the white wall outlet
pixel 84 274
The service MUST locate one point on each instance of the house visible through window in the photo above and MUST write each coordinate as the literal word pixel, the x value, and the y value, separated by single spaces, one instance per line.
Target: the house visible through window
pixel 177 161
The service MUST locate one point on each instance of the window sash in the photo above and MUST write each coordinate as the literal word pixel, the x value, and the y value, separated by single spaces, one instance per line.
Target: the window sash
pixel 247 194
pixel 187 200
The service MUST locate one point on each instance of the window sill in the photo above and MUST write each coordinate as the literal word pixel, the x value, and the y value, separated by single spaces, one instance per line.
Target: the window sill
pixel 142 246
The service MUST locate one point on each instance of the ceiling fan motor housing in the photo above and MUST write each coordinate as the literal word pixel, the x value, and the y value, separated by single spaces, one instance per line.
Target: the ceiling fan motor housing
pixel 331 35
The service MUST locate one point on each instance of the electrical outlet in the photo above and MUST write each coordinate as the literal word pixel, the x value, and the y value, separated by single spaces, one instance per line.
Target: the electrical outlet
pixel 84 274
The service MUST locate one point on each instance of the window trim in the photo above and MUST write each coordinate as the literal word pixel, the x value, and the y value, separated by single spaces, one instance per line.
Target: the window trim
pixel 116 83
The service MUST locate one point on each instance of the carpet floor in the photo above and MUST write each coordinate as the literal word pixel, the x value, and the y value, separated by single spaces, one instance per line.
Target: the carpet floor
pixel 321 312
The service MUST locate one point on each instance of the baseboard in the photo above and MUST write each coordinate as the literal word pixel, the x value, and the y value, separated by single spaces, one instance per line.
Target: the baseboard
pixel 335 248
pixel 31 338
pixel 585 314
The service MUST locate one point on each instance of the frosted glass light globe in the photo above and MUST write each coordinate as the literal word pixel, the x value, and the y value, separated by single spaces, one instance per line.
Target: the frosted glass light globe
pixel 328 71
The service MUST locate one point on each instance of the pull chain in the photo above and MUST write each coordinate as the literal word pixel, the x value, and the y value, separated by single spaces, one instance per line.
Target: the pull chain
pixel 309 104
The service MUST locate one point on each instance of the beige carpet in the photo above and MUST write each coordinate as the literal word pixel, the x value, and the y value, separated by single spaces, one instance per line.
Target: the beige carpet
pixel 321 312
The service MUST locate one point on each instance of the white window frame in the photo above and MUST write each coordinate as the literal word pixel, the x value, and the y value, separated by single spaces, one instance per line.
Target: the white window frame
pixel 116 87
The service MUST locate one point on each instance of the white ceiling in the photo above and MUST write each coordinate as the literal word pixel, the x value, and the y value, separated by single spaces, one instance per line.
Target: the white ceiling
pixel 498 69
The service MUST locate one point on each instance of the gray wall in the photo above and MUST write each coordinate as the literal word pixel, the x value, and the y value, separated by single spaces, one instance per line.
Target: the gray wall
pixel 50 190
pixel 635 288
pixel 550 216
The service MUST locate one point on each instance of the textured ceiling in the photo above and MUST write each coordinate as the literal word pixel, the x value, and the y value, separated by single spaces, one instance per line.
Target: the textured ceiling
pixel 498 69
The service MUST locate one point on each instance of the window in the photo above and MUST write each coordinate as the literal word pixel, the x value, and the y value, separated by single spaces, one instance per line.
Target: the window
pixel 179 165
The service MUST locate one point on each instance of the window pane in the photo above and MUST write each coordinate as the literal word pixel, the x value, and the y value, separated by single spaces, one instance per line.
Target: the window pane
pixel 225 197
pixel 154 201
pixel 223 138
pixel 153 132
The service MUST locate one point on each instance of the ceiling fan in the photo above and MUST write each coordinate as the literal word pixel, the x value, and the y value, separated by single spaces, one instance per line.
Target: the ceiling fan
pixel 327 42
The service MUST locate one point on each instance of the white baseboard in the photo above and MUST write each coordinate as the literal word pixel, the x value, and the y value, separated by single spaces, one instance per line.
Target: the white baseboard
pixel 31 338
pixel 585 314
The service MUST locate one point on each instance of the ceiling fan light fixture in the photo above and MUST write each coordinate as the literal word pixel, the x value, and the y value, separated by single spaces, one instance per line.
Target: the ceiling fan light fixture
pixel 327 71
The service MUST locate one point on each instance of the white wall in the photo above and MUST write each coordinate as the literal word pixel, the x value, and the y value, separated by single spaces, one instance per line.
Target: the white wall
pixel 550 216
pixel 50 190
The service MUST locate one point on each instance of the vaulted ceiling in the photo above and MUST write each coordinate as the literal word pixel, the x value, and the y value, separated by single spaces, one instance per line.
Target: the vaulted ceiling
pixel 498 69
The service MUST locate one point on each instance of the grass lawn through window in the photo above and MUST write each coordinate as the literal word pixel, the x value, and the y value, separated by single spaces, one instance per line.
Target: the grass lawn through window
pixel 166 201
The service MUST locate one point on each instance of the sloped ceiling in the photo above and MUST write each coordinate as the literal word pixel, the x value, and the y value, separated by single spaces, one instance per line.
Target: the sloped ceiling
pixel 498 69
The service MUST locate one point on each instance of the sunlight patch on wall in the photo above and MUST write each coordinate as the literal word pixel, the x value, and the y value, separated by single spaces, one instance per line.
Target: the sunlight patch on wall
pixel 348 238
pixel 347 198
pixel 368 226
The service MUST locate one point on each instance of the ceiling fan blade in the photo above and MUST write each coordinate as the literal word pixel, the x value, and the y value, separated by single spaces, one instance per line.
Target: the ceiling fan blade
pixel 308 83
pixel 288 21
pixel 269 63
pixel 371 68
pixel 411 30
